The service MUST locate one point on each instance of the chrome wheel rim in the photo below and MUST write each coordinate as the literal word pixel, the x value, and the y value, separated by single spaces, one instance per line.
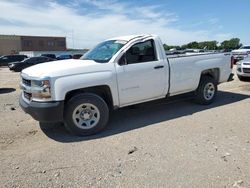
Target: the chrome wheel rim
pixel 209 91
pixel 86 116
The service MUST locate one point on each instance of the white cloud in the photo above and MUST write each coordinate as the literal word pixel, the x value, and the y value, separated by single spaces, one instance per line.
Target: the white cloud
pixel 213 21
pixel 86 29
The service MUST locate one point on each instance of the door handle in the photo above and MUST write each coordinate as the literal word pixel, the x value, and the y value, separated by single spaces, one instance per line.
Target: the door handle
pixel 159 67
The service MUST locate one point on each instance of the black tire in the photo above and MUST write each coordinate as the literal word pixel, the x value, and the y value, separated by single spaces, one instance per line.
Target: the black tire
pixel 17 70
pixel 201 97
pixel 71 111
pixel 49 125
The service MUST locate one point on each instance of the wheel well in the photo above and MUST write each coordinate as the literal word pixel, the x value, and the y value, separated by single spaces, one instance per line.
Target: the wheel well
pixel 214 73
pixel 103 91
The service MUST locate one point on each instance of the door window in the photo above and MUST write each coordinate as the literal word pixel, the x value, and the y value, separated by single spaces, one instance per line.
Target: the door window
pixel 5 58
pixel 20 58
pixel 141 52
pixel 41 60
pixel 32 60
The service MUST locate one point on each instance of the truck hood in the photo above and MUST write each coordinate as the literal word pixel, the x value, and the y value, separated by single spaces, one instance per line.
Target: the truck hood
pixel 64 68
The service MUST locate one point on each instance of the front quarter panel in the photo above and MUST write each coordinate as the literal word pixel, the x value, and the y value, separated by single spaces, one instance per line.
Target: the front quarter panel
pixel 62 85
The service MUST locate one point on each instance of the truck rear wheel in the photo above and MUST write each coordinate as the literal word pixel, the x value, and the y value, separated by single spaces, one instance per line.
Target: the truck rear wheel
pixel 86 114
pixel 206 91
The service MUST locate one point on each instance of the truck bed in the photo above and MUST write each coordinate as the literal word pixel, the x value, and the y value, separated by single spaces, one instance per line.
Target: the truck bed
pixel 186 70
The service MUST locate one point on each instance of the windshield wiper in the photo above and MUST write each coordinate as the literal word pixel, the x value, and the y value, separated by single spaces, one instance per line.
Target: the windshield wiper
pixel 100 60
pixel 96 60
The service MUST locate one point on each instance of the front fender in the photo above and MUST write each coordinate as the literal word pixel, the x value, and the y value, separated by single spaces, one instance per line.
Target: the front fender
pixel 62 85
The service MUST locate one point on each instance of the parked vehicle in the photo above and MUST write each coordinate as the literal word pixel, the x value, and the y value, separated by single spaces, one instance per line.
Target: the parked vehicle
pixel 241 53
pixel 64 56
pixel 19 66
pixel 4 60
pixel 53 56
pixel 243 69
pixel 118 72
pixel 77 56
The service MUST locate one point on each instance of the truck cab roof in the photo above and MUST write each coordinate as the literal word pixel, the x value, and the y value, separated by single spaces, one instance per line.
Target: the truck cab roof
pixel 130 37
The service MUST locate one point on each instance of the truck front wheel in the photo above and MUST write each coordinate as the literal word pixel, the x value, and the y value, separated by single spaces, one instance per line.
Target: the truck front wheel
pixel 206 91
pixel 86 114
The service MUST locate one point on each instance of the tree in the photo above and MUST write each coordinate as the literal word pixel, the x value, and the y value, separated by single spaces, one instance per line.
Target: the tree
pixel 208 45
pixel 167 47
pixel 231 44
pixel 191 45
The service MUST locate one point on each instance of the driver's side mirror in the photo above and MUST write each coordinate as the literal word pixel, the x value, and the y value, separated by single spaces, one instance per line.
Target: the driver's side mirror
pixel 123 60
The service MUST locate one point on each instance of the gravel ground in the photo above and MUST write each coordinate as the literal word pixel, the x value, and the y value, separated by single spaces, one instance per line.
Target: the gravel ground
pixel 158 144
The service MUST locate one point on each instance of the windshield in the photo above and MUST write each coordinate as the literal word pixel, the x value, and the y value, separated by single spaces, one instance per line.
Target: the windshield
pixel 245 47
pixel 26 60
pixel 104 51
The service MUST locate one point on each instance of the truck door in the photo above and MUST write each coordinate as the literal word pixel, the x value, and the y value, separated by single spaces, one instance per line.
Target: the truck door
pixel 140 75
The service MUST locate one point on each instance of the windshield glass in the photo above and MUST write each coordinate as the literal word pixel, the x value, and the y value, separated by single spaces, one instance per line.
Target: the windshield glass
pixel 26 60
pixel 245 47
pixel 104 51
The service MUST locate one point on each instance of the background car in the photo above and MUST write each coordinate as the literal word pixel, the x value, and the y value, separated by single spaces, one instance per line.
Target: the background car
pixel 77 56
pixel 64 56
pixel 19 66
pixel 243 69
pixel 49 55
pixel 4 60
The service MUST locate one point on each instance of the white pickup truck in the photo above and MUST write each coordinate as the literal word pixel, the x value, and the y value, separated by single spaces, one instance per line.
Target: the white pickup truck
pixel 118 72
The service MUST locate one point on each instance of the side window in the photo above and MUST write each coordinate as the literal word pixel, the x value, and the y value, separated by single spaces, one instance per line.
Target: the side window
pixel 12 58
pixel 141 52
pixel 19 58
pixel 5 58
pixel 32 60
pixel 29 60
pixel 39 60
pixel 44 59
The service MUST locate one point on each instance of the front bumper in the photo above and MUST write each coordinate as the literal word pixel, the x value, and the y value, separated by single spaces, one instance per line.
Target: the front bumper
pixel 43 111
pixel 243 74
pixel 243 70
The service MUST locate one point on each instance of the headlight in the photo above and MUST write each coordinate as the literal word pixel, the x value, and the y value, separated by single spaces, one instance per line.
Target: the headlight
pixel 40 83
pixel 41 90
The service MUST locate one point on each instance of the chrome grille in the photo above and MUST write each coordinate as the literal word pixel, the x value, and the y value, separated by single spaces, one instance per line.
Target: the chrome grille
pixel 246 70
pixel 26 82
pixel 27 95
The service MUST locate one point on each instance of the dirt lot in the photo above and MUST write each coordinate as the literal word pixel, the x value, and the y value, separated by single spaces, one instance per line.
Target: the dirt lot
pixel 158 144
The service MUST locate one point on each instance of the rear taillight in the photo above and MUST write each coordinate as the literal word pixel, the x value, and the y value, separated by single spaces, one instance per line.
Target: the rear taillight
pixel 232 62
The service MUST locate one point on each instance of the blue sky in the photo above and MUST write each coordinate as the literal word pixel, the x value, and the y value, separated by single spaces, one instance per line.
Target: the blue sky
pixel 87 22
